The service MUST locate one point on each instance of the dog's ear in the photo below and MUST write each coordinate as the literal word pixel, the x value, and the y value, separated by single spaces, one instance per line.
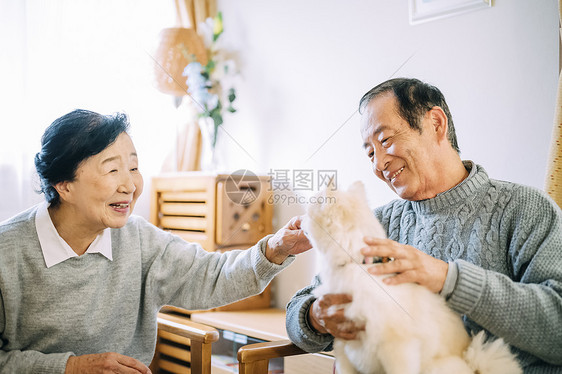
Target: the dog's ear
pixel 328 193
pixel 357 188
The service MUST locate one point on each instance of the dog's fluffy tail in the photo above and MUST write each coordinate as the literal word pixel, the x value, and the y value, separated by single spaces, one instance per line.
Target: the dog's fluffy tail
pixel 490 357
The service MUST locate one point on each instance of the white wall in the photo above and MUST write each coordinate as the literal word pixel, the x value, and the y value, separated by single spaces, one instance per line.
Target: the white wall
pixel 305 64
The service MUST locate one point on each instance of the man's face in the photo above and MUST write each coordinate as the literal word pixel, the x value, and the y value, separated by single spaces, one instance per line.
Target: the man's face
pixel 402 157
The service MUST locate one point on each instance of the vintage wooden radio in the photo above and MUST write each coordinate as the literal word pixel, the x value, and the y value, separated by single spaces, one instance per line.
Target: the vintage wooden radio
pixel 219 211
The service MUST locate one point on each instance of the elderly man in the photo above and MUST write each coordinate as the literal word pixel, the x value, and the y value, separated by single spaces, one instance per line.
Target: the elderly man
pixel 492 249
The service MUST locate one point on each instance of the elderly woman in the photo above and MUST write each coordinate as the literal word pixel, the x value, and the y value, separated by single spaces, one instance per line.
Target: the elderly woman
pixel 82 280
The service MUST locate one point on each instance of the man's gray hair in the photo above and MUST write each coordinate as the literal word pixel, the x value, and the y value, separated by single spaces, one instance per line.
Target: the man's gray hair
pixel 415 98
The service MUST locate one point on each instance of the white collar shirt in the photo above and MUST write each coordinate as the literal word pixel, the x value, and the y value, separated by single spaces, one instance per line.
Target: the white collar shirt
pixel 55 249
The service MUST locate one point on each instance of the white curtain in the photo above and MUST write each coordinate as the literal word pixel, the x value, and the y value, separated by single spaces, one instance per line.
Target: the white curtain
pixel 59 55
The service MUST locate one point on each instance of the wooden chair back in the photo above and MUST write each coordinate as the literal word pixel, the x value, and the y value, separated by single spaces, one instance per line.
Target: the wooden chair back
pixel 254 358
pixel 183 346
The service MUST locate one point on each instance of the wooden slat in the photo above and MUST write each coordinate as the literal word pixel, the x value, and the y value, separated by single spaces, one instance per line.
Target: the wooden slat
pixel 176 352
pixel 174 338
pixel 184 196
pixel 183 209
pixel 183 223
pixel 173 367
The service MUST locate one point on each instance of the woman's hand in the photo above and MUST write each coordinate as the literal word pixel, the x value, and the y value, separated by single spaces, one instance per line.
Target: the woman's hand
pixel 289 240
pixel 410 265
pixel 326 315
pixel 109 362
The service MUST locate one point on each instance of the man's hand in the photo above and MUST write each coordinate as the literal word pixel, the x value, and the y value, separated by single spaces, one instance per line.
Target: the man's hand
pixel 289 240
pixel 326 315
pixel 410 264
pixel 109 362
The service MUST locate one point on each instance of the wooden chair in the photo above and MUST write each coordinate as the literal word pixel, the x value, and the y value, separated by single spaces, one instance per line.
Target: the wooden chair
pixel 181 341
pixel 254 358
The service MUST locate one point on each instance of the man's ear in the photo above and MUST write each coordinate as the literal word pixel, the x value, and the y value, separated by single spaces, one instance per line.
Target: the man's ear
pixel 440 122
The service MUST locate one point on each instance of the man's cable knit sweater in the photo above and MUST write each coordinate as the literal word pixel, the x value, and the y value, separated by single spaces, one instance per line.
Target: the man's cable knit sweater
pixel 506 242
pixel 89 304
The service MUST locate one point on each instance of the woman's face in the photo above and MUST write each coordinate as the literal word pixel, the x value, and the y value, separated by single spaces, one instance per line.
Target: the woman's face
pixel 106 187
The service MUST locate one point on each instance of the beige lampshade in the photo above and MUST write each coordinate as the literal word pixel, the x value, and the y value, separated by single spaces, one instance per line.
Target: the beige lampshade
pixel 171 59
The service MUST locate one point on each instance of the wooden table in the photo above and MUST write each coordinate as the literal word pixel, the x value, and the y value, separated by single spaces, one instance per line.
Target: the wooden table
pixel 269 325
pixel 265 324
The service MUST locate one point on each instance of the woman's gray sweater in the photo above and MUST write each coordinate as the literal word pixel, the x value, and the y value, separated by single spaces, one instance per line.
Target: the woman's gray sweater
pixel 89 304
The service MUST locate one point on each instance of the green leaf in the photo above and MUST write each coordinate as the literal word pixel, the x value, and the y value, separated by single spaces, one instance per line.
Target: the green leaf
pixel 217 118
pixel 231 95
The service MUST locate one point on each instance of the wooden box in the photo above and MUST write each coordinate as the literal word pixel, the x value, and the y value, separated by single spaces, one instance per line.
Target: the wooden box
pixel 218 211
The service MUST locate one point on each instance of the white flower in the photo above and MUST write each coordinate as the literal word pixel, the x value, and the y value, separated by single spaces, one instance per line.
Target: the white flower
pixel 212 102
pixel 205 30
pixel 193 73
pixel 211 86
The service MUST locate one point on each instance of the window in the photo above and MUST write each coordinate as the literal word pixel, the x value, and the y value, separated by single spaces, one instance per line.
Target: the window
pixel 59 55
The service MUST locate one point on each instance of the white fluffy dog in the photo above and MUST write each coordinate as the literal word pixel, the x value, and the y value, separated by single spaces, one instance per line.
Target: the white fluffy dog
pixel 408 329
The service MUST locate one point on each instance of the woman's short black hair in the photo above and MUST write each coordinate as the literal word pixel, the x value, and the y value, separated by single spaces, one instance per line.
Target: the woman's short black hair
pixel 415 98
pixel 71 139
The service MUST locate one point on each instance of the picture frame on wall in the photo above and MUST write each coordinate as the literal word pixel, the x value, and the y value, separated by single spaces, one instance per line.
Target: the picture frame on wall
pixel 430 10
